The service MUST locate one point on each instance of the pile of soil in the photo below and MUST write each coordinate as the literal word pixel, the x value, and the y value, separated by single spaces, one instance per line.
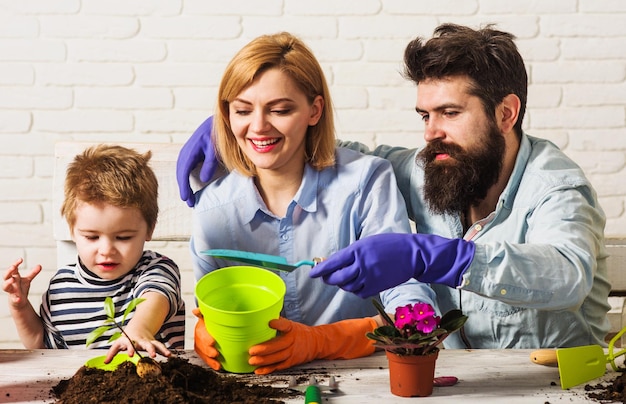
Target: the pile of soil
pixel 179 382
pixel 613 392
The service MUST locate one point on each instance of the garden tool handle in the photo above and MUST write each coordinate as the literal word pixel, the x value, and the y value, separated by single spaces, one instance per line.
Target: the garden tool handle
pixel 312 395
pixel 546 357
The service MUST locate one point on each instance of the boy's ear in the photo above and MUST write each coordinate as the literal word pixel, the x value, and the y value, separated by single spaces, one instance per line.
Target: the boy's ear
pixel 149 235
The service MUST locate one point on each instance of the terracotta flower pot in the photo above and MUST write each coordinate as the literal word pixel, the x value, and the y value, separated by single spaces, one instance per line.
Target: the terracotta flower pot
pixel 411 376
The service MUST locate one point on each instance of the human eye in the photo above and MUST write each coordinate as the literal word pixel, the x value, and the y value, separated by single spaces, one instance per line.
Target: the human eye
pixel 451 113
pixel 282 108
pixel 242 112
pixel 91 237
pixel 424 116
pixel 239 108
pixel 124 238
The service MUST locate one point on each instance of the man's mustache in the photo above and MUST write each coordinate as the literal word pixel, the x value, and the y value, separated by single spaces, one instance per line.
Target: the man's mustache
pixel 435 147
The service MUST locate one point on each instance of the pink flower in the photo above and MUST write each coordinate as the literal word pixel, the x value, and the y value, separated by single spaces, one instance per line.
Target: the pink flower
pixel 423 310
pixel 404 316
pixel 426 324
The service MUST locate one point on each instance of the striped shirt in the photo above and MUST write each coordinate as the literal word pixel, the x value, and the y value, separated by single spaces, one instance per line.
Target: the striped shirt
pixel 73 305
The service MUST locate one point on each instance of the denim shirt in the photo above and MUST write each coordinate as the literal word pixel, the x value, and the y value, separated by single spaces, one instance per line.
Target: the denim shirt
pixel 539 275
pixel 332 208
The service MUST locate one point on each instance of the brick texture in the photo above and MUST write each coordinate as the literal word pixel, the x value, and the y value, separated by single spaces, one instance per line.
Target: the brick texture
pixel 148 70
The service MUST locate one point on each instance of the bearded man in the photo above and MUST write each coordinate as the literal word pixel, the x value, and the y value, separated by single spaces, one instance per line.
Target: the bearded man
pixel 509 229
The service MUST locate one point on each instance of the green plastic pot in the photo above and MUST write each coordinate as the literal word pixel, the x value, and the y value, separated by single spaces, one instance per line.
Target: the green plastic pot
pixel 237 304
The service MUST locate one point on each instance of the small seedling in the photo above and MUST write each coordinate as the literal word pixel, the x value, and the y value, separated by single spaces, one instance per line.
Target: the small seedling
pixel 145 366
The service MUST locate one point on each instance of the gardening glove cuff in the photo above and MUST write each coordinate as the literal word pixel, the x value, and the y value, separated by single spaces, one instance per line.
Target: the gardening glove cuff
pixel 441 260
pixel 298 343
pixel 204 343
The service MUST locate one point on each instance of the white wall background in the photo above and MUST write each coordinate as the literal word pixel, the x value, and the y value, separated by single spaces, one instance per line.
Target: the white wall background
pixel 147 71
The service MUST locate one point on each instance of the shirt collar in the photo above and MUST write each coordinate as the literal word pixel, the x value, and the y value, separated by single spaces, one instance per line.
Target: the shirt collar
pixel 306 197
pixel 523 155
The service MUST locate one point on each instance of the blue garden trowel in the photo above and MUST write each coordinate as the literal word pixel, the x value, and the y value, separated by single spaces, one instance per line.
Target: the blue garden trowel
pixel 274 262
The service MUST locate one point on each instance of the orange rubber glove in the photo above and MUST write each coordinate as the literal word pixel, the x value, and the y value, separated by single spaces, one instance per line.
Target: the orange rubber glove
pixel 204 343
pixel 298 343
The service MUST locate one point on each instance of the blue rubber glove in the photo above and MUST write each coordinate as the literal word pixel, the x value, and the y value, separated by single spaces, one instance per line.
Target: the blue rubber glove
pixel 197 149
pixel 382 261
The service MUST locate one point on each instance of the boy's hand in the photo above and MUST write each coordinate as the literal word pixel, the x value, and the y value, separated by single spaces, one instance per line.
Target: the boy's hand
pixel 145 343
pixel 18 286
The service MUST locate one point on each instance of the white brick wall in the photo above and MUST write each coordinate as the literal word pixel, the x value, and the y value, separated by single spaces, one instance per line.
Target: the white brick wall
pixel 147 70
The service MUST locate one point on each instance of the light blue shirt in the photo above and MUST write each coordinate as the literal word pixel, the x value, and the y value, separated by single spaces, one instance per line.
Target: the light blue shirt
pixel 539 275
pixel 334 207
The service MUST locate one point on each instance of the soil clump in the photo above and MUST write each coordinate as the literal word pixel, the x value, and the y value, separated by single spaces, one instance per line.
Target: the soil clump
pixel 179 382
pixel 608 392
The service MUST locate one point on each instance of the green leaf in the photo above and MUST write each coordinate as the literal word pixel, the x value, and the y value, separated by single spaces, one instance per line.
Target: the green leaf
pixel 115 336
pixel 387 331
pixel 383 314
pixel 95 334
pixel 131 307
pixel 109 307
pixel 453 320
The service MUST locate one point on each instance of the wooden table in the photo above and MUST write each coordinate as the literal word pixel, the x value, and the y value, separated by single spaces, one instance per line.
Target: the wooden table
pixel 485 376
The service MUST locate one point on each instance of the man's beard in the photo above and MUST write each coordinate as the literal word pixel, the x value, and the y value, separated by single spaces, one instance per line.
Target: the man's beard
pixel 451 186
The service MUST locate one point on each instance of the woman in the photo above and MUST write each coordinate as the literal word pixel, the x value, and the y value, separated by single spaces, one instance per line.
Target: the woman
pixel 290 192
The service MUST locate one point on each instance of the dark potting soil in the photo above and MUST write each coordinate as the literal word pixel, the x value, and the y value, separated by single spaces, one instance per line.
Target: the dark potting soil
pixel 608 392
pixel 179 382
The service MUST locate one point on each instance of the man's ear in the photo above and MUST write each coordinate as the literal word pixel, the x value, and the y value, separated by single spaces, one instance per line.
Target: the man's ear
pixel 507 113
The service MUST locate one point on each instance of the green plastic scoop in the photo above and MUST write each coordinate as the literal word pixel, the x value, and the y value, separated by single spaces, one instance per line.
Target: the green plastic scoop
pixel 579 364
pixel 261 260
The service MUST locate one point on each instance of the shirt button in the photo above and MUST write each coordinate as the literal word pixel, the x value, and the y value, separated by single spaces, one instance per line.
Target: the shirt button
pixel 284 237
pixel 503 292
pixel 478 227
pixel 467 282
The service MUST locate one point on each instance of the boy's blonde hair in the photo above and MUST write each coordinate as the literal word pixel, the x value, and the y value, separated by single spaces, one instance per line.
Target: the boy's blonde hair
pixel 114 175
pixel 292 57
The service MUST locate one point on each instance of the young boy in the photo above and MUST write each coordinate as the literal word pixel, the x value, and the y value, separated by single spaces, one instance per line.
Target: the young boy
pixel 111 207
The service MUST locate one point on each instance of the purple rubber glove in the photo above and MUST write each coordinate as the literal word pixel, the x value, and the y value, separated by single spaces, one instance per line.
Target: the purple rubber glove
pixel 197 149
pixel 382 261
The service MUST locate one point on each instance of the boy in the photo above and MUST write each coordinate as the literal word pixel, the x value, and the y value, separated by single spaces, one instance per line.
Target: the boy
pixel 111 207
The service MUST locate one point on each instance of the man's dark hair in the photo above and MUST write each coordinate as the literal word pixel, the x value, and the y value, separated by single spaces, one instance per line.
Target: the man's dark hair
pixel 487 56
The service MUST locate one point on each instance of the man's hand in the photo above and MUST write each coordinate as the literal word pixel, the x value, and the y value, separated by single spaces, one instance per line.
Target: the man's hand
pixel 382 261
pixel 197 149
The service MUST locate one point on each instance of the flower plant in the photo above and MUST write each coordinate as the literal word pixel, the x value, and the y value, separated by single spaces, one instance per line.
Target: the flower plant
pixel 417 330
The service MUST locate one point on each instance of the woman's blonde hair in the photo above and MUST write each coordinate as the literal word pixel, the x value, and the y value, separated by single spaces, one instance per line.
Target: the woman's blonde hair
pixel 114 175
pixel 289 54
